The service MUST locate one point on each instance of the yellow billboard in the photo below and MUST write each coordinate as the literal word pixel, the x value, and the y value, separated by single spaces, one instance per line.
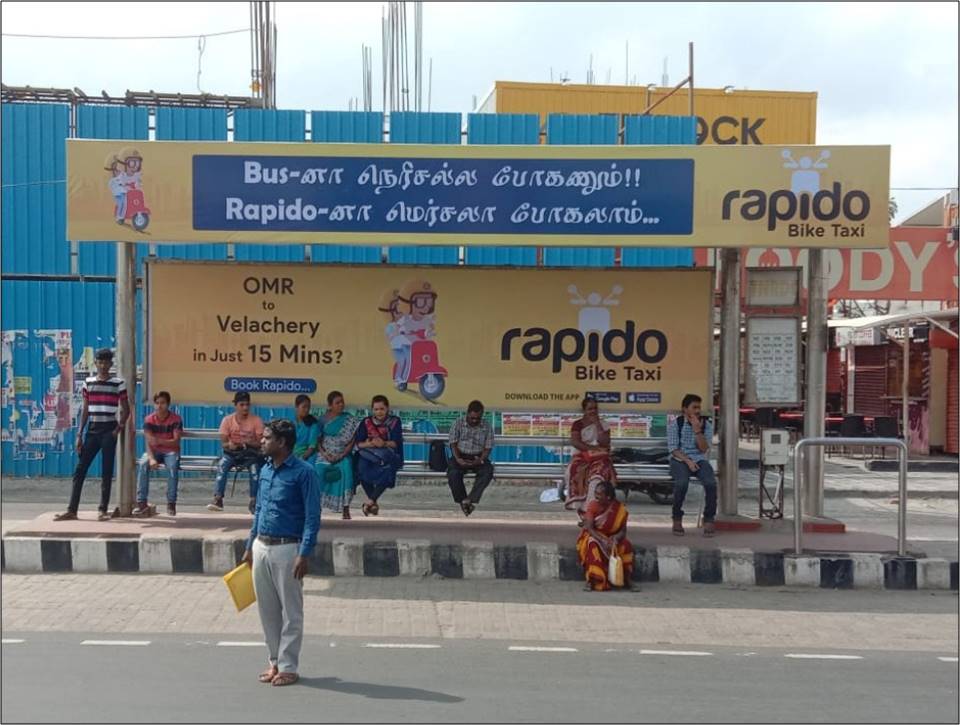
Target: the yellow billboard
pixel 724 116
pixel 428 337
pixel 770 196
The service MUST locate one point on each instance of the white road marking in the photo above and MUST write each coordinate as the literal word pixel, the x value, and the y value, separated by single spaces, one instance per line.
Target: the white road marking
pixel 117 642
pixel 823 657
pixel 241 644
pixel 678 653
pixel 400 645
pixel 20 641
pixel 517 648
pixel 942 659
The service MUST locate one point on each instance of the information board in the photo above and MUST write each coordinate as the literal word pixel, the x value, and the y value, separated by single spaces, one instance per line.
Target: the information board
pixel 773 361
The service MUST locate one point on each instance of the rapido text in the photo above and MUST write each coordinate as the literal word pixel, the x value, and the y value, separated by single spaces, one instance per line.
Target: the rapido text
pixel 569 345
pixel 802 212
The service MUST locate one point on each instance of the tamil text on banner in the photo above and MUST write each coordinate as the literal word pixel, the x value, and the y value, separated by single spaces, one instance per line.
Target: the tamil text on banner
pixel 177 191
pixel 428 337
pixel 920 263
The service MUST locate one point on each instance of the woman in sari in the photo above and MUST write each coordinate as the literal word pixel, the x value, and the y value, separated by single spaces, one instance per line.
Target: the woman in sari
pixel 308 430
pixel 591 437
pixel 334 462
pixel 380 452
pixel 604 531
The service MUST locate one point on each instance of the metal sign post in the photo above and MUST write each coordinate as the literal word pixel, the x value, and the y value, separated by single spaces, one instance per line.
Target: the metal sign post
pixel 127 369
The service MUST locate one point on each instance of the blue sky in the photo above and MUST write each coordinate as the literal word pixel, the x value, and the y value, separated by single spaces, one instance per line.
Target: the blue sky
pixel 886 73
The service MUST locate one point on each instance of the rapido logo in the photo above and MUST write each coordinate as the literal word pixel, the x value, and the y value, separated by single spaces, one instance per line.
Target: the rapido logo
pixel 594 338
pixel 804 201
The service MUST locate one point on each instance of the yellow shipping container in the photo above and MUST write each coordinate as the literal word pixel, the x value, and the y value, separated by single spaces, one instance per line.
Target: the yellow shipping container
pixel 737 117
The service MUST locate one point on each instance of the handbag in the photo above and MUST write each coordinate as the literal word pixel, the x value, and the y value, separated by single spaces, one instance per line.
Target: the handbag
pixel 331 474
pixel 615 570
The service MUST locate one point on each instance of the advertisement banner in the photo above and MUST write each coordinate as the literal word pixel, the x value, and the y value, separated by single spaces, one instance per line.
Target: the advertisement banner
pixel 178 191
pixel 429 337
pixel 920 263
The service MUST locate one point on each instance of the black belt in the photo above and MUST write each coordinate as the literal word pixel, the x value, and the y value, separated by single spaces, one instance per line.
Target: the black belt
pixel 275 540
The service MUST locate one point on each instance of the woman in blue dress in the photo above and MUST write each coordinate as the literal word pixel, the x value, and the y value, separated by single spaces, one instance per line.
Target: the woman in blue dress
pixel 380 452
pixel 334 459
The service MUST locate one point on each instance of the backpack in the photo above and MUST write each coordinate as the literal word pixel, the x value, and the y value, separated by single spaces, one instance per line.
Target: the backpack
pixel 437 461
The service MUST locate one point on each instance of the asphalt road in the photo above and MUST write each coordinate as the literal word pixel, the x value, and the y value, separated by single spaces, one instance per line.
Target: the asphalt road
pixel 55 677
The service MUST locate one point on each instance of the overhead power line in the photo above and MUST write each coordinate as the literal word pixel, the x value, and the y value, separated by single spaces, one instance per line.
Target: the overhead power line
pixel 127 37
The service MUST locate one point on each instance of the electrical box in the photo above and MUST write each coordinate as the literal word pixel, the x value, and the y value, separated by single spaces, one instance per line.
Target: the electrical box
pixel 774 447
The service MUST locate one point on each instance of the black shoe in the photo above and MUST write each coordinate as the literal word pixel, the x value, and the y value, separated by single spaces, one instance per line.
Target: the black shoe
pixel 172 509
pixel 252 506
pixel 142 509
pixel 216 504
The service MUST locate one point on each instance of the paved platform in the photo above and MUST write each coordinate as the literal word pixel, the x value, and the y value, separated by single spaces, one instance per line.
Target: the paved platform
pixel 483 547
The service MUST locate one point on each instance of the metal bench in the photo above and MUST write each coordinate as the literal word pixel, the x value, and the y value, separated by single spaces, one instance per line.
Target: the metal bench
pixel 417 468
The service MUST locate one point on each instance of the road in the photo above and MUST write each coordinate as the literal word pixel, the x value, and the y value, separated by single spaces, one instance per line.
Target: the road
pixel 428 650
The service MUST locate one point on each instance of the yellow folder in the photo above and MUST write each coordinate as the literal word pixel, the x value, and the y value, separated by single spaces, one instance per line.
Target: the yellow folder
pixel 240 583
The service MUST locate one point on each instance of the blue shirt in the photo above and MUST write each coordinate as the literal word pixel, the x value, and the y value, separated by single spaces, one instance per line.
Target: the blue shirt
pixel 685 440
pixel 288 503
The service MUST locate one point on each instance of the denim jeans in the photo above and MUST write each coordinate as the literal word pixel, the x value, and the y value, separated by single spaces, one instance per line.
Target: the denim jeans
pixel 681 474
pixel 248 458
pixel 99 437
pixel 121 203
pixel 171 462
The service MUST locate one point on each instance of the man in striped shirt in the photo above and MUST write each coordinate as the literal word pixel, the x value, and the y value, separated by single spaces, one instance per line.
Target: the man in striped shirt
pixel 103 396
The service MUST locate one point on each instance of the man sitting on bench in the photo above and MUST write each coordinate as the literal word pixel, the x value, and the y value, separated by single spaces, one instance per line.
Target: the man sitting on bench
pixel 688 439
pixel 240 434
pixel 471 440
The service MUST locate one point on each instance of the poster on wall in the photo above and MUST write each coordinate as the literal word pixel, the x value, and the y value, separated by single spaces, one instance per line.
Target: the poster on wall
pixel 37 400
pixel 430 337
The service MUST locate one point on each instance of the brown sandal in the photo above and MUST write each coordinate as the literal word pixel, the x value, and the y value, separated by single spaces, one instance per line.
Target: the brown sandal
pixel 285 678
pixel 367 509
pixel 266 677
pixel 66 516
pixel 346 513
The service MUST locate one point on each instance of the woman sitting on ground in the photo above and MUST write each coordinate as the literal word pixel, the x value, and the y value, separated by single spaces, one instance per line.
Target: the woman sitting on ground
pixel 380 446
pixel 591 437
pixel 335 462
pixel 604 531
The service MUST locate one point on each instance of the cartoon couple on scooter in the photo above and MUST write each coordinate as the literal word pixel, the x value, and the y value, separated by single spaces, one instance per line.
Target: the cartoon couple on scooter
pixel 411 334
pixel 126 189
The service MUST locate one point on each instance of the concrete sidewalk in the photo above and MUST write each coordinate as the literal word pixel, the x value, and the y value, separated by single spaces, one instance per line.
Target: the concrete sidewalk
pixel 485 547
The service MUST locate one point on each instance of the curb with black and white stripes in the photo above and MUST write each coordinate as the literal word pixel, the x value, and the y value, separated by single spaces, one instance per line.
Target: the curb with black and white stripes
pixel 483 560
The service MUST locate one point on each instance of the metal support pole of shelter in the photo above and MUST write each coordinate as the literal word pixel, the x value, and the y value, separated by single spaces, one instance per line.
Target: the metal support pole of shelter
pixel 815 403
pixel 798 450
pixel 905 412
pixel 729 453
pixel 127 369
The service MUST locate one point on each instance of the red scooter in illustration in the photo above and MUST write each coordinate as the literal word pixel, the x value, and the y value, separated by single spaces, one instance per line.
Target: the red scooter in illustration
pixel 137 213
pixel 425 370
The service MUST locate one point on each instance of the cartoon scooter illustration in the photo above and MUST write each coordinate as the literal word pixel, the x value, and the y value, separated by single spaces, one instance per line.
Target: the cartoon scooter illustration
pixel 136 212
pixel 424 366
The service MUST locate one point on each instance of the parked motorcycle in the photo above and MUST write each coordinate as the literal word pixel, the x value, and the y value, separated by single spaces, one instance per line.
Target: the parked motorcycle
pixel 660 492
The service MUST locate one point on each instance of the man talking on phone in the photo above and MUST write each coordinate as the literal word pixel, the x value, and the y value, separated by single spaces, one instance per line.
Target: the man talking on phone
pixel 688 439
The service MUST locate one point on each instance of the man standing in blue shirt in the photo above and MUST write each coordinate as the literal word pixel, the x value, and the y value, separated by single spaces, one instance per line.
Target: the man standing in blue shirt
pixel 688 439
pixel 285 525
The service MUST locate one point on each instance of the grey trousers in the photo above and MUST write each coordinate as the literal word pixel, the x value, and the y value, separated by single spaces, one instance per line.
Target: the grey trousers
pixel 280 601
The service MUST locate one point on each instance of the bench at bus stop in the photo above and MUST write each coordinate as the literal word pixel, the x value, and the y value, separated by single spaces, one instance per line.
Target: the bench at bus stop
pixel 653 466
